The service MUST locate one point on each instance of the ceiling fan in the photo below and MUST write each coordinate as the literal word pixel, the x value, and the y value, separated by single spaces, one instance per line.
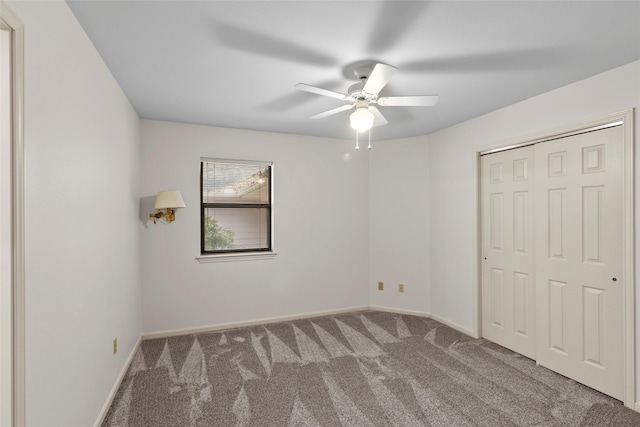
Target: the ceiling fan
pixel 363 94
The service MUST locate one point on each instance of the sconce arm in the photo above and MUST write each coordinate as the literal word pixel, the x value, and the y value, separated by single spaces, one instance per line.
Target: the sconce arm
pixel 170 214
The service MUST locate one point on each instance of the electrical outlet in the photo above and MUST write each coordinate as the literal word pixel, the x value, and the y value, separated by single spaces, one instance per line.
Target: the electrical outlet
pixel 400 287
pixel 115 345
pixel 381 286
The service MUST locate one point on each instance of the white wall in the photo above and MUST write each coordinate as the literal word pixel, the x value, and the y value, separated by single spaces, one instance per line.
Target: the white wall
pixel 321 229
pixel 451 177
pixel 399 223
pixel 82 231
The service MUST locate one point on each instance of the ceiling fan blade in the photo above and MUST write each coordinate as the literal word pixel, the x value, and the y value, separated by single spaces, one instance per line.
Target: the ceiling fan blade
pixel 387 33
pixel 378 118
pixel 333 111
pixel 379 78
pixel 408 101
pixel 510 60
pixel 262 44
pixel 319 91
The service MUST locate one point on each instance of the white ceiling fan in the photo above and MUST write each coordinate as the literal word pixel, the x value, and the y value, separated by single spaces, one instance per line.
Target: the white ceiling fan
pixel 364 94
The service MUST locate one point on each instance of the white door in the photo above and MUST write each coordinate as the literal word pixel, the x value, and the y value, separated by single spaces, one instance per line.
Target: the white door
pixel 579 258
pixel 508 286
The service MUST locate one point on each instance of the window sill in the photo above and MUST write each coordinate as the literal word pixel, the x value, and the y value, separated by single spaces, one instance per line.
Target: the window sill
pixel 246 256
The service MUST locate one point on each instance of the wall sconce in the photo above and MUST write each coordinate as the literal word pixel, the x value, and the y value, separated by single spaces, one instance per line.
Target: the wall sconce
pixel 169 200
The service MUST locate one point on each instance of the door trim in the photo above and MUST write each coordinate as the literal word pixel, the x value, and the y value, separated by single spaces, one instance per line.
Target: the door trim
pixel 628 230
pixel 17 352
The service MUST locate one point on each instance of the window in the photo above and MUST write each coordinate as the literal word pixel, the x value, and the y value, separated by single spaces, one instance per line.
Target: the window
pixel 235 206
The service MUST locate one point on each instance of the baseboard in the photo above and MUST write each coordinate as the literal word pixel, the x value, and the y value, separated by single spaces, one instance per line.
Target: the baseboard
pixel 116 386
pixel 453 325
pixel 637 408
pixel 426 314
pixel 221 326
pixel 400 311
pixel 242 324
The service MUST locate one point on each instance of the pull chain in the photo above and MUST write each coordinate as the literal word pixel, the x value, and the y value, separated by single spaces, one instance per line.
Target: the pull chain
pixel 369 139
pixel 357 146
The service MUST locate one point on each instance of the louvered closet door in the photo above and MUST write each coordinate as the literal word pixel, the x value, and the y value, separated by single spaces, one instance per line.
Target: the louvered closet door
pixel 508 287
pixel 579 258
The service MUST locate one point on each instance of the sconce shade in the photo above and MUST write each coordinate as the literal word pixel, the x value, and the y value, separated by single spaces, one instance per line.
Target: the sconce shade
pixel 169 200
pixel 361 119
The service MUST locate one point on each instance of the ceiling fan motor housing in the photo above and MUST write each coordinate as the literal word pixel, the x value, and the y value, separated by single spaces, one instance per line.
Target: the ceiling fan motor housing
pixel 355 92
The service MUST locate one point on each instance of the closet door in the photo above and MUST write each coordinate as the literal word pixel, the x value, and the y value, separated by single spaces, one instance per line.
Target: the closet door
pixel 579 258
pixel 508 286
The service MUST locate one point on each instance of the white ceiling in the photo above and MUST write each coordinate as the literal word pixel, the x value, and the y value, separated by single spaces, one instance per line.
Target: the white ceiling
pixel 235 63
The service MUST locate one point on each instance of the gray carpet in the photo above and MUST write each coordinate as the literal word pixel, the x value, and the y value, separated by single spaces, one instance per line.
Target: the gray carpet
pixel 359 369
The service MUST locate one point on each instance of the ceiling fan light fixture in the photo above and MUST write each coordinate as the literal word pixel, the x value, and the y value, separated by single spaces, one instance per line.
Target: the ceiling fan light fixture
pixel 361 119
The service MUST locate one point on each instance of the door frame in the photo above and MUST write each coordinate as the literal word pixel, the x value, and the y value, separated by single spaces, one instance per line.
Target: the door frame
pixel 628 230
pixel 15 403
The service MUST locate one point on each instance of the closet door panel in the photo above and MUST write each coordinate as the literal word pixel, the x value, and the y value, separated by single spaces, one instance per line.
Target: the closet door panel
pixel 579 258
pixel 508 291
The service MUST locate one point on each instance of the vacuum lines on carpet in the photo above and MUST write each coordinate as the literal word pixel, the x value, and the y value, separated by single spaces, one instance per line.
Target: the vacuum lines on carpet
pixel 359 369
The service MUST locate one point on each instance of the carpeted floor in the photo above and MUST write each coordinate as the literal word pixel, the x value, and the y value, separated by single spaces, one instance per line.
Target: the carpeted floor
pixel 359 369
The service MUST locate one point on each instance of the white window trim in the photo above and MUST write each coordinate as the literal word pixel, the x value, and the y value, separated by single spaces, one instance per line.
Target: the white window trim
pixel 247 256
